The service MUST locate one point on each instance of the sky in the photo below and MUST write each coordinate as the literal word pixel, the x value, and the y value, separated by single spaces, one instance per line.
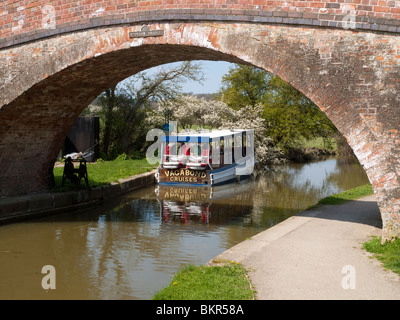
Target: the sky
pixel 213 72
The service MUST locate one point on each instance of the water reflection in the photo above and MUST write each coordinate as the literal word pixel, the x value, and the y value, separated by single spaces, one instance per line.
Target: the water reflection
pixel 215 205
pixel 130 247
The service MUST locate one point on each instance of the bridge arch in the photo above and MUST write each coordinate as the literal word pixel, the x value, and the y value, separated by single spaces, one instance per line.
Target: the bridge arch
pixel 352 76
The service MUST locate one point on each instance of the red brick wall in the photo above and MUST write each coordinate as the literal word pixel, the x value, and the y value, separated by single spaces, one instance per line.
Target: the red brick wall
pixel 31 19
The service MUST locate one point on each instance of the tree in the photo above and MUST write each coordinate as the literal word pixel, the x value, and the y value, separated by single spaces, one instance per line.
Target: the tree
pixel 124 107
pixel 250 117
pixel 189 110
pixel 108 102
pixel 244 86
pixel 290 116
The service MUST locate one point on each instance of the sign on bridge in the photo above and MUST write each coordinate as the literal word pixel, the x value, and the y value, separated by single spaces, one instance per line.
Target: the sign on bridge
pixel 146 32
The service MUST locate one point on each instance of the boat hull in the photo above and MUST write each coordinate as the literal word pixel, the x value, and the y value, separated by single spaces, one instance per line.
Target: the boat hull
pixel 193 177
pixel 184 176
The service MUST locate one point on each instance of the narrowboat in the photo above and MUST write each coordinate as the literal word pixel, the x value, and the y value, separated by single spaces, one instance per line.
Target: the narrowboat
pixel 206 158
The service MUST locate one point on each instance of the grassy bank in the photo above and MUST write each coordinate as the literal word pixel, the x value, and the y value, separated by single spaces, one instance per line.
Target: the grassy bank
pixel 105 172
pixel 312 150
pixel 348 195
pixel 388 253
pixel 320 143
pixel 228 282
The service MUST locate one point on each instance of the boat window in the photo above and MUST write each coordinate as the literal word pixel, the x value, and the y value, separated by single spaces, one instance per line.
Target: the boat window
pixel 244 143
pixel 228 154
pixel 250 143
pixel 215 153
pixel 238 147
pixel 173 151
pixel 184 149
pixel 204 148
pixel 192 149
pixel 172 148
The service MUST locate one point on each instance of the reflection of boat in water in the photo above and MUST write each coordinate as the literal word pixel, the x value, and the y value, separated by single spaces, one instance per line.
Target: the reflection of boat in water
pixel 206 158
pixel 196 204
pixel 184 203
pixel 171 211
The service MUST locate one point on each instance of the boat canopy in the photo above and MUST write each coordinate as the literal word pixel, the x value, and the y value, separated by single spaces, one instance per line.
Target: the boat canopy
pixel 206 136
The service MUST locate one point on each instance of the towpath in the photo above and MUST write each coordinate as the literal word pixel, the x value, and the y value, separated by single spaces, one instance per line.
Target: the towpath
pixel 318 255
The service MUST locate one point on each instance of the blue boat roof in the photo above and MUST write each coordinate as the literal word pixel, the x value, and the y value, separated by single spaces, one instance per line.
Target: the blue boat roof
pixel 204 136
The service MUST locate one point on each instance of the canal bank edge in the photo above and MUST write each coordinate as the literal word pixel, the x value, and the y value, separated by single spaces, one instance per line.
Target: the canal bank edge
pixel 13 209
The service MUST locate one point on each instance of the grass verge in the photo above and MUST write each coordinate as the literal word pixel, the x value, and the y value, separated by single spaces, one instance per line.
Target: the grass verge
pixel 105 172
pixel 320 143
pixel 348 195
pixel 228 282
pixel 388 253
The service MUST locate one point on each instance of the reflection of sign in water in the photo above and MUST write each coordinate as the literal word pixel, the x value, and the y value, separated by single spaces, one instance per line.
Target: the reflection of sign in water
pixel 184 194
pixel 146 32
pixel 184 204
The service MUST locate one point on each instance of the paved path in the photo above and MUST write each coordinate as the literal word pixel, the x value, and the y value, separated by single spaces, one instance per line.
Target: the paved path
pixel 303 257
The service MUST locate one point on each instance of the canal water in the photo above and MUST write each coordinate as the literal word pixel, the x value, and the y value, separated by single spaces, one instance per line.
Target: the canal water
pixel 130 248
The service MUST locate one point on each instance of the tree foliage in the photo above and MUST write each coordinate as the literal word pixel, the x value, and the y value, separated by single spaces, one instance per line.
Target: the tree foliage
pixel 291 116
pixel 244 86
pixel 190 111
pixel 124 108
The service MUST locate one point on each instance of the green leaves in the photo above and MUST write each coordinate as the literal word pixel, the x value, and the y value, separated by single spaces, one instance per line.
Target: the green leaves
pixel 244 86
pixel 290 117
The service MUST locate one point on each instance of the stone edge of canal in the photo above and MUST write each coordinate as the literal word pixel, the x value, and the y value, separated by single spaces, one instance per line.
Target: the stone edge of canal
pixel 13 209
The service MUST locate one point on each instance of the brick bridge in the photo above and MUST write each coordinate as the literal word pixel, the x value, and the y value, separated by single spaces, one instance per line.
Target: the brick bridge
pixel 57 56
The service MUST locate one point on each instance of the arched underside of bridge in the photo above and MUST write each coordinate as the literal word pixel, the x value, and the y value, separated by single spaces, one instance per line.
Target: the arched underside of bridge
pixel 354 77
